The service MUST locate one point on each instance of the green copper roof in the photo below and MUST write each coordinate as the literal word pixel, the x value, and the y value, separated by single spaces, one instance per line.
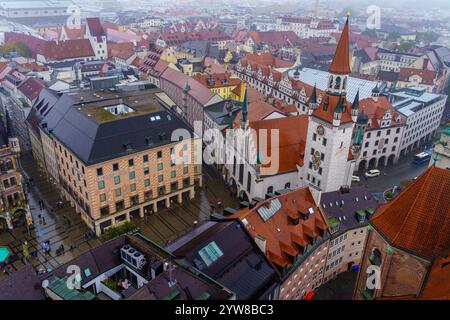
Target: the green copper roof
pixel 446 131
pixel 204 296
pixel 171 295
pixel 333 222
pixel 361 213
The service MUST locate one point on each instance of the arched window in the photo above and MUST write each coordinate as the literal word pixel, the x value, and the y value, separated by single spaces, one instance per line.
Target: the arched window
pixel 287 185
pixel 270 190
pixel 344 86
pixel 9 164
pixel 337 86
pixel 375 257
pixel 330 82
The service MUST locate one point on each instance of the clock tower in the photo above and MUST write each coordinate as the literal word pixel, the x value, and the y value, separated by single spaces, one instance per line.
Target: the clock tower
pixel 328 159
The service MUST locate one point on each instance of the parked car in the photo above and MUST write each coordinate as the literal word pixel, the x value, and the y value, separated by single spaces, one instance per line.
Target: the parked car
pixel 356 179
pixel 373 173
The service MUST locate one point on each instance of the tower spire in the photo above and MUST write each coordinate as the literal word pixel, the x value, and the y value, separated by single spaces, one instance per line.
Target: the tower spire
pixel 355 108
pixel 341 60
pixel 245 108
pixel 355 105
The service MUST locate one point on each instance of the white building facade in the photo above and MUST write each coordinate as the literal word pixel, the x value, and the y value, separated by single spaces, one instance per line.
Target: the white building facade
pixel 423 112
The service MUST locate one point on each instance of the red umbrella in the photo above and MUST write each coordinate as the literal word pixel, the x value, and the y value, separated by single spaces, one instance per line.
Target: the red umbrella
pixel 309 295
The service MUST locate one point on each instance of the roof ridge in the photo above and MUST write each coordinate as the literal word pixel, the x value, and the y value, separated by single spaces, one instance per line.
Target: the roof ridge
pixel 409 212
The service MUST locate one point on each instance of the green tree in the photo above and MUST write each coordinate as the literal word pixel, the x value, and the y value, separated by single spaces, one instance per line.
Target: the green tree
pixel 394 35
pixel 370 33
pixel 20 48
pixel 406 46
pixel 428 36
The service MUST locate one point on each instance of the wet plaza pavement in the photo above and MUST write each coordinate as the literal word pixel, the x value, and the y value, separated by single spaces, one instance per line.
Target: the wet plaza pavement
pixel 169 224
pixel 64 226
pixel 60 227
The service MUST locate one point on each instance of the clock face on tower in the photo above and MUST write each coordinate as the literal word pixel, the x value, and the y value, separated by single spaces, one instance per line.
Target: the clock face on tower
pixel 320 130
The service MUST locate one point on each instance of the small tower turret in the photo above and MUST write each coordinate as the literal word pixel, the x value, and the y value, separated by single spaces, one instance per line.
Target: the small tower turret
pixel 355 108
pixel 312 102
pixel 244 120
pixel 340 107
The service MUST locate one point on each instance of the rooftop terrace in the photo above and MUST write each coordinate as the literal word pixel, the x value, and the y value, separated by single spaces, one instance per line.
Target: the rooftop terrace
pixel 106 106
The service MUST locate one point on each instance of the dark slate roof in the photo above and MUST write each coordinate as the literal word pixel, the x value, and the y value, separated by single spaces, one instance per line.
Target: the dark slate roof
pixel 243 268
pixel 350 206
pixel 22 285
pixel 94 141
pixel 97 261
pixel 199 48
pixel 3 135
pixel 95 65
pixel 387 76
pixel 363 56
pixel 219 113
pixel 105 257
pixel 41 106
pixel 64 64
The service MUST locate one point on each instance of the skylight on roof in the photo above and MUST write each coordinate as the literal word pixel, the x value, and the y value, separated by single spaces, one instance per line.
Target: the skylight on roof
pixel 267 210
pixel 211 253
pixel 119 109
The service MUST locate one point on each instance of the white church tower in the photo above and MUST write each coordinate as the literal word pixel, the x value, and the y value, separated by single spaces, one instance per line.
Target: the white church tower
pixel 97 37
pixel 328 160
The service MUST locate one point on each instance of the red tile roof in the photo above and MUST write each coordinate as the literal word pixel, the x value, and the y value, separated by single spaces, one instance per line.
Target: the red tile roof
pixel 116 49
pixel 95 28
pixel 326 113
pixel 217 80
pixel 284 239
pixel 271 38
pixel 257 110
pixel 198 91
pixel 177 38
pixel 291 145
pixel 69 49
pixel 341 60
pixel 31 88
pixel 137 62
pixel 427 76
pixel 265 59
pixel 418 220
pixel 375 111
pixel 75 33
pixel 438 284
